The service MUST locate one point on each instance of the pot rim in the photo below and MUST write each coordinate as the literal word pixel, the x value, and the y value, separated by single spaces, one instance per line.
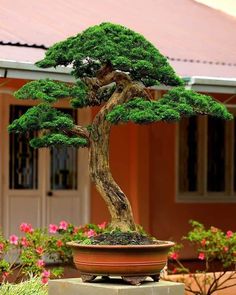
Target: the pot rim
pixel 162 245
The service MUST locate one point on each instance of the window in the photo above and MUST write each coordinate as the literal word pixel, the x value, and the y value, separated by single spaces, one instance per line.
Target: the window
pixel 23 164
pixel 64 162
pixel 206 160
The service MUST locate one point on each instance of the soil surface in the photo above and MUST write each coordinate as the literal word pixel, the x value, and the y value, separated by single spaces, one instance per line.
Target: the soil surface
pixel 122 238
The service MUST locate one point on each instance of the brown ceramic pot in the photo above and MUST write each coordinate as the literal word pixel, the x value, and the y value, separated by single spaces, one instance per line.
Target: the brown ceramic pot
pixel 133 262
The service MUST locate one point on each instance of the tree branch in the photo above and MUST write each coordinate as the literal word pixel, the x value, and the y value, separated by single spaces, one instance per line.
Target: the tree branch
pixel 197 282
pixel 230 277
pixel 225 287
pixel 79 131
pixel 105 76
pixel 214 285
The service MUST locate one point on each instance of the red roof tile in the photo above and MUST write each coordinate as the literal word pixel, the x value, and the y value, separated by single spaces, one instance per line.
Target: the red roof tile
pixel 182 29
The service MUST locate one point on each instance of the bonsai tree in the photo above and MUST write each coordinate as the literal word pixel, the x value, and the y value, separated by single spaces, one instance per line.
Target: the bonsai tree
pixel 113 67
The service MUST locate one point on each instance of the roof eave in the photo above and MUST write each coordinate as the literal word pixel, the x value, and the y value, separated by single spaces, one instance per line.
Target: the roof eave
pixel 207 84
pixel 212 84
pixel 28 71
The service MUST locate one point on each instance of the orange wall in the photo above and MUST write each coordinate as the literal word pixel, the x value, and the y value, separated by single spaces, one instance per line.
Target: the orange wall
pixel 143 161
pixel 169 219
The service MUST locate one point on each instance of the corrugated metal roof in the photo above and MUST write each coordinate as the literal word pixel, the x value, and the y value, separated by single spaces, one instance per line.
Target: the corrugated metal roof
pixel 199 40
pixel 25 54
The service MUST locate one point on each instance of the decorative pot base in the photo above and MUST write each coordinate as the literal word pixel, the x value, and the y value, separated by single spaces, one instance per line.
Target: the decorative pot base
pixel 133 263
pixel 133 280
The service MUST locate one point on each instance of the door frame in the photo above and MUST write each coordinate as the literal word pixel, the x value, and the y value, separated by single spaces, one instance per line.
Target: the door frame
pixel 7 99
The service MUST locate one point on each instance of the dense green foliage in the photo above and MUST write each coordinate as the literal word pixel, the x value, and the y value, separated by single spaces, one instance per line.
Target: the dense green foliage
pixel 123 48
pixel 175 104
pixel 42 116
pixel 57 139
pixel 45 90
pixel 98 52
pixel 55 125
pixel 50 91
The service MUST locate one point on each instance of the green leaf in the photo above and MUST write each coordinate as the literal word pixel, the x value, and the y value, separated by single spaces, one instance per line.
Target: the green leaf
pixel 174 105
pixel 42 116
pixel 125 49
pixel 58 139
pixel 46 90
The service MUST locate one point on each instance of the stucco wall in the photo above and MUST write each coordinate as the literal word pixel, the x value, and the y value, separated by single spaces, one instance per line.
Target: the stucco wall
pixel 143 161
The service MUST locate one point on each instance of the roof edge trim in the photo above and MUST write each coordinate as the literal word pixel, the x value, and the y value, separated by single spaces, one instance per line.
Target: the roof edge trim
pixel 28 71
pixel 212 84
pixel 207 84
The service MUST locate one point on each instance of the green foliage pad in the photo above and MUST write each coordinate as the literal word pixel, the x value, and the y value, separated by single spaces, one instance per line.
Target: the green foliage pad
pixel 175 104
pixel 54 123
pixel 88 52
pixel 125 49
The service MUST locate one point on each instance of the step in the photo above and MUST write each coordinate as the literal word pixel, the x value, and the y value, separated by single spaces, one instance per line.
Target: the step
pixel 114 286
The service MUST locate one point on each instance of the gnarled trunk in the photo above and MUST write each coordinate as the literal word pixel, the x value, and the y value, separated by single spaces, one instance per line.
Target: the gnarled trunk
pixel 117 202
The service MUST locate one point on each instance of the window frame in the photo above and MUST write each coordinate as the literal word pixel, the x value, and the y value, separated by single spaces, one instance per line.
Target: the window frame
pixel 202 195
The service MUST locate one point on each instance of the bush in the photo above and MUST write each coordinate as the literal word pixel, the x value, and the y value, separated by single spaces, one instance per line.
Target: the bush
pixel 35 247
pixel 213 247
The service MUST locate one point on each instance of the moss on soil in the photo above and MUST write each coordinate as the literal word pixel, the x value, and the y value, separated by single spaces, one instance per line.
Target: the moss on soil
pixel 122 238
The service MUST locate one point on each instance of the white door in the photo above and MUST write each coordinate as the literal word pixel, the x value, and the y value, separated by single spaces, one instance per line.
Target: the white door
pixel 41 186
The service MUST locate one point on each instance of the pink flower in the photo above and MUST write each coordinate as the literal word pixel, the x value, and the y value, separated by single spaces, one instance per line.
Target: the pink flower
pixel 203 242
pixel 46 273
pixel 76 229
pixel 40 263
pixel 26 227
pixel 45 276
pixel 13 240
pixel 53 228
pixel 102 225
pixel 63 225
pixel 39 250
pixel 229 234
pixel 226 249
pixel 1 247
pixel 5 274
pixel 60 243
pixel 201 256
pixel 44 280
pixel 24 242
pixel 90 233
pixel 174 255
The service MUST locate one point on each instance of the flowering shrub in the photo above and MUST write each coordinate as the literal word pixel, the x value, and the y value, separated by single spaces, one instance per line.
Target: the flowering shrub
pixel 213 247
pixel 28 254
